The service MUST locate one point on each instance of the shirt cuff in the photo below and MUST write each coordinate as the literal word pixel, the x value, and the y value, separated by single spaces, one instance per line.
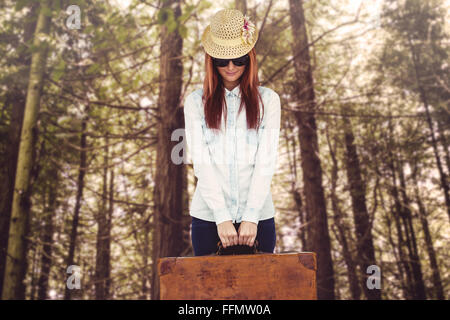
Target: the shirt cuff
pixel 222 215
pixel 251 215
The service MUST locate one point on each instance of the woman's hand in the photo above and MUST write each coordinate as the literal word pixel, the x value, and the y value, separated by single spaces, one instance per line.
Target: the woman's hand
pixel 247 233
pixel 227 233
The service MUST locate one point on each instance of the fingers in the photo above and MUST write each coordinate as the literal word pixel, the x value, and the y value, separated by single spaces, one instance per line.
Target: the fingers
pixel 247 233
pixel 228 234
pixel 250 241
pixel 235 238
pixel 229 239
pixel 246 240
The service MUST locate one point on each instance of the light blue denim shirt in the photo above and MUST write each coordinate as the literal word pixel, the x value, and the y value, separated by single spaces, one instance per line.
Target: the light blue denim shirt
pixel 234 166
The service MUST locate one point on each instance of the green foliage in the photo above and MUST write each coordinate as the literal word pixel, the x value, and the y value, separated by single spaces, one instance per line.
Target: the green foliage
pixel 59 70
pixel 417 48
pixel 183 31
pixel 165 16
pixel 94 68
pixel 106 71
pixel 20 4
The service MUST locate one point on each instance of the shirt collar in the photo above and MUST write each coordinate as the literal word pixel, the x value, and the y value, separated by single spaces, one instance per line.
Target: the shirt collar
pixel 236 92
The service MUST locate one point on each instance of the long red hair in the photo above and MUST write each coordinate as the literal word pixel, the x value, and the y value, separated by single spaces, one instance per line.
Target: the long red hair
pixel 214 94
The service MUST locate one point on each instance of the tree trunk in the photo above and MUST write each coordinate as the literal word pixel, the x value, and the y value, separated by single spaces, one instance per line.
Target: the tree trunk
pixel 444 142
pixel 108 234
pixel 419 286
pixel 295 190
pixel 102 262
pixel 423 96
pixel 352 275
pixel 406 268
pixel 241 5
pixel 79 196
pixel 16 99
pixel 47 238
pixel 168 192
pixel 145 293
pixel 405 232
pixel 396 251
pixel 397 212
pixel 16 264
pixel 437 283
pixel 318 233
pixel 363 225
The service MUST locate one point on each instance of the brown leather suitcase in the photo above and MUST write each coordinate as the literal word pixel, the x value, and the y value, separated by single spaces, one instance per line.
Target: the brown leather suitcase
pixel 260 276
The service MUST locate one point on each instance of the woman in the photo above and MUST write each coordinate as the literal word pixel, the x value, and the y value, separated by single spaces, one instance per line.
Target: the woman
pixel 234 153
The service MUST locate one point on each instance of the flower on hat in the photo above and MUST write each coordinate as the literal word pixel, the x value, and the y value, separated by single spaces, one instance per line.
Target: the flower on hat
pixel 247 31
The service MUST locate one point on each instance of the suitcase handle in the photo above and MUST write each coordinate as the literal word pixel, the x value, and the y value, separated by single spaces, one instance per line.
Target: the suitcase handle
pixel 237 249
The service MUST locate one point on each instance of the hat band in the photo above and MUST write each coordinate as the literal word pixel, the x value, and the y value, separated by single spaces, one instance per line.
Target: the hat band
pixel 227 42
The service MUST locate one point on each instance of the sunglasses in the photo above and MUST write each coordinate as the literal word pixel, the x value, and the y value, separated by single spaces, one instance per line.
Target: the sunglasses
pixel 241 61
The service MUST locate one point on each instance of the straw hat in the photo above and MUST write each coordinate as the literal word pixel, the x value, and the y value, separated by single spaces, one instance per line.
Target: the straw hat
pixel 230 35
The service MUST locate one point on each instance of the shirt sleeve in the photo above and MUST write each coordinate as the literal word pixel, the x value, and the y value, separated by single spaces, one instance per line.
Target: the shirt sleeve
pixel 208 185
pixel 265 162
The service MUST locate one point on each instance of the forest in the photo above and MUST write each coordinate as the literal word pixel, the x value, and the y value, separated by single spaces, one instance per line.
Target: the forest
pixel 92 92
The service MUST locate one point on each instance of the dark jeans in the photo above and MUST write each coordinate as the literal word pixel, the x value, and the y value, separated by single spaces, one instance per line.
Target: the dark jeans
pixel 205 236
